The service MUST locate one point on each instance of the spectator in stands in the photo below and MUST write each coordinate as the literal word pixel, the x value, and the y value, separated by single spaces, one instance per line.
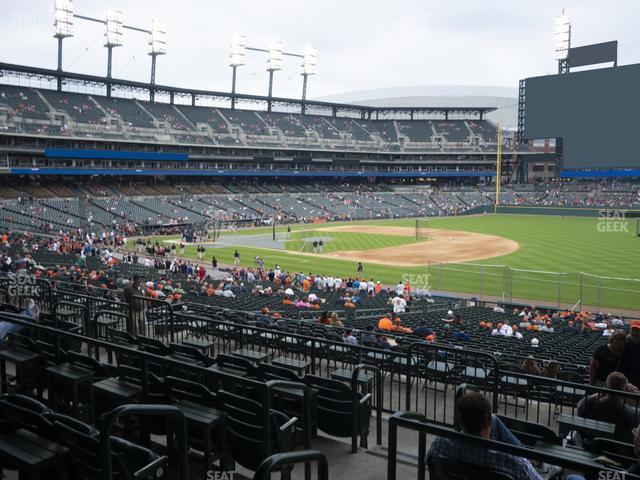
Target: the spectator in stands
pixel 137 323
pixel 612 408
pixel 631 357
pixel 398 327
pixel 335 321
pixel 348 338
pixel 324 318
pixel 385 323
pixel 635 468
pixel 6 263
pixel 461 334
pixel 31 312
pixel 264 320
pixel 551 370
pixel 570 328
pixel 399 304
pixel 422 330
pixel 382 342
pixel 368 338
pixel 530 367
pixel 473 412
pixel 607 358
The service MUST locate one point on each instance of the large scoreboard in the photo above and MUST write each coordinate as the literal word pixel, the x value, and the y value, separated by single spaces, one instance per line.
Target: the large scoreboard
pixel 595 112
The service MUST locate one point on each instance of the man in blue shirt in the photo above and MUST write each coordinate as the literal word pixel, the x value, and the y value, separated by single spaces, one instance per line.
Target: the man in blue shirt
pixel 31 312
pixel 474 413
pixel 422 330
pixel 461 334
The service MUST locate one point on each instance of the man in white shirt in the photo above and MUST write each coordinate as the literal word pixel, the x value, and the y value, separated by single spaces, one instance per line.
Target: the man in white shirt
pixel 330 282
pixel 337 283
pixel 400 288
pixel 228 294
pixel 399 304
pixel 506 330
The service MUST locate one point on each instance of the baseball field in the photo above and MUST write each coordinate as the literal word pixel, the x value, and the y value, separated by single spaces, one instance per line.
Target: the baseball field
pixel 549 259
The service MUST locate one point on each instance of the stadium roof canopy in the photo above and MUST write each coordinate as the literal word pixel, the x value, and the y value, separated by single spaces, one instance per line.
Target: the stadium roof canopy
pixel 502 100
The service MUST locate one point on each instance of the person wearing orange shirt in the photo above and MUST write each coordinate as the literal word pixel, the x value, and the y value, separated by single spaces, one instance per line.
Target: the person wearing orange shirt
pixel 378 288
pixel 385 323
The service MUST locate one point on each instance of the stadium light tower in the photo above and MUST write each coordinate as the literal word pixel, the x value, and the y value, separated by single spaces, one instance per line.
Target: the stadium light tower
pixel 273 64
pixel 158 46
pixel 562 42
pixel 114 39
pixel 63 28
pixel 309 67
pixel 238 59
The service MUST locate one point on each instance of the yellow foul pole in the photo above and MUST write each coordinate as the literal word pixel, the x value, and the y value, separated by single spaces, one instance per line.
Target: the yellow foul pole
pixel 498 169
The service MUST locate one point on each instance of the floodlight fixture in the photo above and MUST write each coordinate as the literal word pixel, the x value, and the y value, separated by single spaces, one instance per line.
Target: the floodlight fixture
pixel 562 36
pixel 114 28
pixel 238 58
pixel 158 41
pixel 63 18
pixel 238 50
pixel 310 61
pixel 275 57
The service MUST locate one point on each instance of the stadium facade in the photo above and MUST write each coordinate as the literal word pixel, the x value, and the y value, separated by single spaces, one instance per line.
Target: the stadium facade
pixel 55 123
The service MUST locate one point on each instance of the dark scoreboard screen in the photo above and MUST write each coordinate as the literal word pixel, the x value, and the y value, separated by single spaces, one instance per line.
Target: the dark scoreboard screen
pixel 595 112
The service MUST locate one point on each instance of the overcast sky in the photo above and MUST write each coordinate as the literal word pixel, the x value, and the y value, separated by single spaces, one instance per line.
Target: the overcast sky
pixel 361 44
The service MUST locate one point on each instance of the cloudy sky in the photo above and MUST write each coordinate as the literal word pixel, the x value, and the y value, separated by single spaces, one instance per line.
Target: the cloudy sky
pixel 361 44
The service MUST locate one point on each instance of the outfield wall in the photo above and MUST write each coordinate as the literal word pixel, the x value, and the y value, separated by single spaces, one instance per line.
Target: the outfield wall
pixel 558 211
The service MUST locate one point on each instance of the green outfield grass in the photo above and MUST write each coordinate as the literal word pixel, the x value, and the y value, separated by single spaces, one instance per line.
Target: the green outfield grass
pixel 547 244
pixel 341 241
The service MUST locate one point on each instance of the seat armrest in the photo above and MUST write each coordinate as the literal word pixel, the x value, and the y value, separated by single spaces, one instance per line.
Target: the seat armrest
pixel 289 424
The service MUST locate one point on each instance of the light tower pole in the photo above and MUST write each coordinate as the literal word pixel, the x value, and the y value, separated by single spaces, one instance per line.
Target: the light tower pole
pixel 273 64
pixel 114 39
pixel 238 59
pixel 63 28
pixel 562 52
pixel 158 45
pixel 309 67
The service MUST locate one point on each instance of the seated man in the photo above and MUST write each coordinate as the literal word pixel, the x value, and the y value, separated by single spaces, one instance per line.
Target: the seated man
pixel 612 408
pixel 422 330
pixel 474 414
pixel 31 311
pixel 348 338
pixel 385 323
